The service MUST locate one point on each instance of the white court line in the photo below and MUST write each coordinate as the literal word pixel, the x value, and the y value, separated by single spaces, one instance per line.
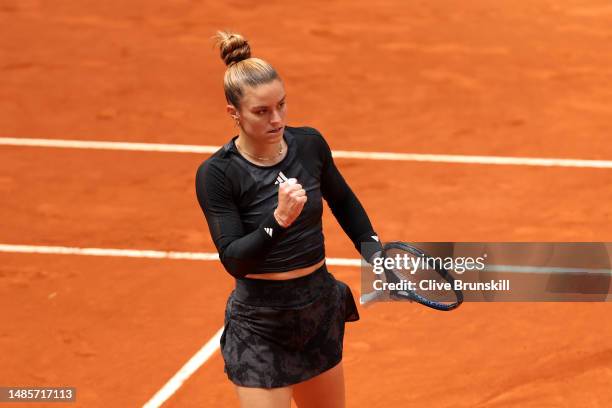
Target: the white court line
pixel 102 145
pixel 138 253
pixel 185 372
pixel 131 253
pixel 543 269
pixel 213 256
pixel 342 154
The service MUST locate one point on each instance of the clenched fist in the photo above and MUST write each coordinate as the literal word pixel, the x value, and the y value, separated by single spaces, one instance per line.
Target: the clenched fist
pixel 291 200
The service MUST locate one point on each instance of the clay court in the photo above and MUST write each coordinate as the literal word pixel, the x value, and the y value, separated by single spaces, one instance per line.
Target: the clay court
pixel 480 78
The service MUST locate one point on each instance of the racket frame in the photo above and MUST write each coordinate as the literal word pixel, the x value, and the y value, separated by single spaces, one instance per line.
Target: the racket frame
pixel 412 295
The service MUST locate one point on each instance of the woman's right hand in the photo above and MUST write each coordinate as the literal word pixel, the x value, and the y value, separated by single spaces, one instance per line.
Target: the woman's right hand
pixel 291 200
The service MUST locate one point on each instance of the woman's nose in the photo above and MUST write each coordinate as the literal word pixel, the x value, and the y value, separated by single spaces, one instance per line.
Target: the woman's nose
pixel 276 117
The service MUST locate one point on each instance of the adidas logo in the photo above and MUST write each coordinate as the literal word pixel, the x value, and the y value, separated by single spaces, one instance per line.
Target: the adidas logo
pixel 268 231
pixel 375 238
pixel 281 178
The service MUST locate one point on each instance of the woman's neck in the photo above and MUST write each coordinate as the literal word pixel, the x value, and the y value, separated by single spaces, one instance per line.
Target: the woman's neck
pixel 266 154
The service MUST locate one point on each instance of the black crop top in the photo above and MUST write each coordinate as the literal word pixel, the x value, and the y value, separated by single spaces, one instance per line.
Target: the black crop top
pixel 239 198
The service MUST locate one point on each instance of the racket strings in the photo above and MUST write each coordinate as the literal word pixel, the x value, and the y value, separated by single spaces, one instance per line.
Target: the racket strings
pixel 420 274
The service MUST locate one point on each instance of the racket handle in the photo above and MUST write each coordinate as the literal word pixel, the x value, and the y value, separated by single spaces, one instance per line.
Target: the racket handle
pixel 368 299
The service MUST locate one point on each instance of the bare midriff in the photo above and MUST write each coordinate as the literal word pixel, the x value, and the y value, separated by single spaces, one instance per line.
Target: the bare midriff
pixel 296 273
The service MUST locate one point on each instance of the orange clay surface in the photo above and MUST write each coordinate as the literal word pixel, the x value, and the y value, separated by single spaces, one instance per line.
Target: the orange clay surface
pixel 484 77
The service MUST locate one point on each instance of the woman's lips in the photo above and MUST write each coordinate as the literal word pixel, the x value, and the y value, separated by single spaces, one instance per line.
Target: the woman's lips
pixel 276 130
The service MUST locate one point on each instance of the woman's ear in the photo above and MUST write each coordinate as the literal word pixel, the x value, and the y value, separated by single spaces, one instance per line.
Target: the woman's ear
pixel 232 111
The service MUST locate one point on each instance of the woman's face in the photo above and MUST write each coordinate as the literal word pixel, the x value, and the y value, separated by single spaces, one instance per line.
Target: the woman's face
pixel 262 112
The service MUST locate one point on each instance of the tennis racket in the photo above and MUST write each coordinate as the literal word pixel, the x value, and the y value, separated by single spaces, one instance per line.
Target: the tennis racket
pixel 412 275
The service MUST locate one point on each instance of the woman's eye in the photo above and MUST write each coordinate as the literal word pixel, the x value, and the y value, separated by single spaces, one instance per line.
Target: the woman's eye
pixel 261 112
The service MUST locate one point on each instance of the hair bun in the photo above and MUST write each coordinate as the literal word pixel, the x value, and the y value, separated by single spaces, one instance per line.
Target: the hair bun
pixel 233 47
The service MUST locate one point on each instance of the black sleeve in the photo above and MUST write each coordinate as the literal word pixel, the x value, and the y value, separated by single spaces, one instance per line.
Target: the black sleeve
pixel 239 253
pixel 346 207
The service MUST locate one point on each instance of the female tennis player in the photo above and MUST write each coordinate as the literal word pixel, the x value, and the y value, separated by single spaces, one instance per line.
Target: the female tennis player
pixel 261 194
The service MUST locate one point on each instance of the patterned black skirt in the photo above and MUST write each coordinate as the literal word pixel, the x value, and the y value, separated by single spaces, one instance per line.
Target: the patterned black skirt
pixel 279 333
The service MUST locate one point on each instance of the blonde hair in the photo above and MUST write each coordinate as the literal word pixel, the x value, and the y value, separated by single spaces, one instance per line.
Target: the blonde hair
pixel 242 69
